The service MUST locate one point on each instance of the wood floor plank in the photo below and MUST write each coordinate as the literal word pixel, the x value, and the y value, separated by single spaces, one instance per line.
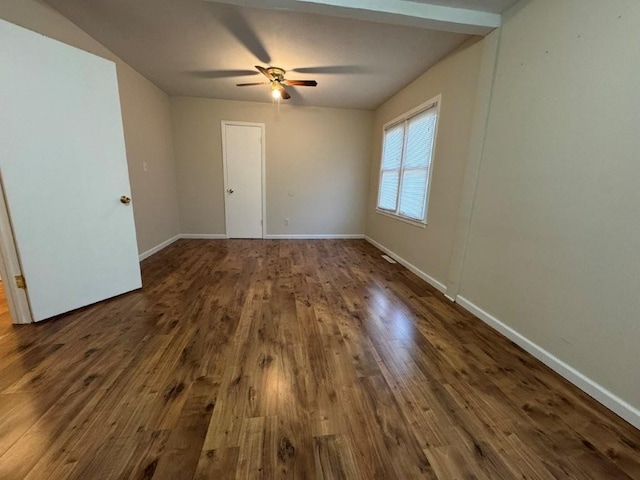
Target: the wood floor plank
pixel 290 359
pixel 220 464
pixel 257 445
pixel 407 458
pixel 182 454
pixel 449 462
pixel 334 458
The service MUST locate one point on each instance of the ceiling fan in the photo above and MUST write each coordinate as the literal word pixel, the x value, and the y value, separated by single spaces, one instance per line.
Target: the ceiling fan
pixel 275 75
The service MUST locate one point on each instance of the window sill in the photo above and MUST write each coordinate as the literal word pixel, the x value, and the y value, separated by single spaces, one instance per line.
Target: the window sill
pixel 415 223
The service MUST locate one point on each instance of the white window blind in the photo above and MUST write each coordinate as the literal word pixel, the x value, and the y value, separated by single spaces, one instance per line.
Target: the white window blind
pixel 406 165
pixel 391 160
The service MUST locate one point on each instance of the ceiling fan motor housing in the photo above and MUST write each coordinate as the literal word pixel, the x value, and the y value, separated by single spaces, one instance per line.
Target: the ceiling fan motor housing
pixel 277 73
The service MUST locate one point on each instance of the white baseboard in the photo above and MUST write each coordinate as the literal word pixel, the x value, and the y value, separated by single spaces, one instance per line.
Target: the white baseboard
pixel 425 276
pixel 614 403
pixel 166 243
pixel 203 236
pixel 315 236
pixel 220 236
pixel 157 248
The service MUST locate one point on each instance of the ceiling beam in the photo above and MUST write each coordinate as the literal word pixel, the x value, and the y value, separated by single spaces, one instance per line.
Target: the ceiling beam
pixel 394 12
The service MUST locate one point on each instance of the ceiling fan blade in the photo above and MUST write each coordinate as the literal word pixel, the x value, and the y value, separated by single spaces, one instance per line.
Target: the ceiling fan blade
pixel 265 72
pixel 283 91
pixel 300 83
pixel 251 84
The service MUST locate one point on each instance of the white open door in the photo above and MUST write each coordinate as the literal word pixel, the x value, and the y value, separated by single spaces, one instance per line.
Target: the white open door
pixel 63 167
pixel 243 158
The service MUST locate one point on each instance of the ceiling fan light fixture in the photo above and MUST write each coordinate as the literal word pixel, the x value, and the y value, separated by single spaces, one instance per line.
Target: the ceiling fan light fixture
pixel 275 91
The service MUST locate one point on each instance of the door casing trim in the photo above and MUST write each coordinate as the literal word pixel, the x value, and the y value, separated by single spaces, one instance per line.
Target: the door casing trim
pixel 17 299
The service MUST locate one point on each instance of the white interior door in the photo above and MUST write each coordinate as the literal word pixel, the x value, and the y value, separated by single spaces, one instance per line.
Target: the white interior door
pixel 64 169
pixel 243 159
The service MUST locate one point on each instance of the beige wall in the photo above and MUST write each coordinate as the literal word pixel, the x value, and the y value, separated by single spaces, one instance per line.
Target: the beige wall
pixel 554 246
pixel 317 165
pixel 430 249
pixel 147 124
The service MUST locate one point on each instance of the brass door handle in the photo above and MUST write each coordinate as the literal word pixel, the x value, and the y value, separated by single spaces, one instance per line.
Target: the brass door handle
pixel 125 200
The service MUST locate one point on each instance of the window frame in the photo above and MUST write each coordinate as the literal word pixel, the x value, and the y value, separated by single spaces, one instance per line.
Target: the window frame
pixel 403 119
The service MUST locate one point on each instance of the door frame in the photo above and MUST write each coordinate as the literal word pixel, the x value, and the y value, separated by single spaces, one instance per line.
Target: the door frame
pixel 10 267
pixel 224 125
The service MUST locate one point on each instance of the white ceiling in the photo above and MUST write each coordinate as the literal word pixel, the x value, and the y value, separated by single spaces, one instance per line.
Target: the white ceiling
pixel 201 48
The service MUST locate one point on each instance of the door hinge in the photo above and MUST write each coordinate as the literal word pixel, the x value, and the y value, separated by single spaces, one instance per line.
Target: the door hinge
pixel 21 282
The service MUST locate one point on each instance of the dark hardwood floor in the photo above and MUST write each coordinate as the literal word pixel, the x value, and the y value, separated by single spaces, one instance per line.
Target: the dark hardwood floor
pixel 290 359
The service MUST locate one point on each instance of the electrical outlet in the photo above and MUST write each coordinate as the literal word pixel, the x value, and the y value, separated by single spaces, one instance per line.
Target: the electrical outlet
pixel 145 166
pixel 286 222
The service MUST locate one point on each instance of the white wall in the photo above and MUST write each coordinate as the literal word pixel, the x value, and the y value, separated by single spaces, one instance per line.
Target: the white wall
pixel 456 78
pixel 145 115
pixel 554 242
pixel 317 165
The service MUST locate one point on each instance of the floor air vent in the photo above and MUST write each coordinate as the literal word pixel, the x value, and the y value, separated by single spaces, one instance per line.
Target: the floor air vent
pixel 389 259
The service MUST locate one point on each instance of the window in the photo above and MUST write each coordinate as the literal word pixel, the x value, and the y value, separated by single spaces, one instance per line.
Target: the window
pixel 405 169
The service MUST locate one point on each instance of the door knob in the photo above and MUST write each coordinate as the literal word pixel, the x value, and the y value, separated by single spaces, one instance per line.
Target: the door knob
pixel 125 200
pixel 230 190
